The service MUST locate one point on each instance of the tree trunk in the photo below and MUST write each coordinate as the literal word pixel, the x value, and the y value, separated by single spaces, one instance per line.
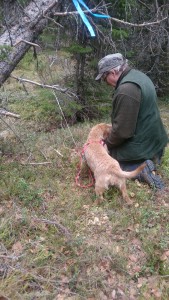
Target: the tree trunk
pixel 30 25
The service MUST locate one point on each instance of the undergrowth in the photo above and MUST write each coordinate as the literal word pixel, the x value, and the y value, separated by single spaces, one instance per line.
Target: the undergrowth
pixel 55 241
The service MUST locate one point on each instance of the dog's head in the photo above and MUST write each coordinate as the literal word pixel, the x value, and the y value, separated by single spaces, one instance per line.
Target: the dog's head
pixel 100 131
pixel 106 129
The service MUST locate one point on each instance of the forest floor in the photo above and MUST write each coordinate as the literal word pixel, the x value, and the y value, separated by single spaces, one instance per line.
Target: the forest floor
pixel 55 241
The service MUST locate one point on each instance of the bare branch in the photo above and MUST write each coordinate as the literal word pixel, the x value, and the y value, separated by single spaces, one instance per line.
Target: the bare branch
pixel 114 19
pixel 139 25
pixel 51 19
pixel 69 13
pixel 27 42
pixel 53 87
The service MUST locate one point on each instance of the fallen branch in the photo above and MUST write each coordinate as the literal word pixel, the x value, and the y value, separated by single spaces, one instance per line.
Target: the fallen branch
pixel 61 228
pixel 53 87
pixel 8 113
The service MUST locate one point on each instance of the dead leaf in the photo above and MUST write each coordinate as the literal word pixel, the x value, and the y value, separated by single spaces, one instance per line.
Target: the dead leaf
pixel 117 249
pixel 9 204
pixel 111 279
pixel 156 293
pixel 18 216
pixel 164 256
pixel 60 297
pixel 137 226
pixel 133 293
pixel 121 294
pixel 138 183
pixel 1 212
pixel 64 279
pixel 137 269
pixel 133 258
pixel 141 281
pixel 105 265
pixel 102 296
pixel 136 242
pixel 17 248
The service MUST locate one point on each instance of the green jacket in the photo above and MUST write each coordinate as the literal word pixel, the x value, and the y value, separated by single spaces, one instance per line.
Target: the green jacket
pixel 148 136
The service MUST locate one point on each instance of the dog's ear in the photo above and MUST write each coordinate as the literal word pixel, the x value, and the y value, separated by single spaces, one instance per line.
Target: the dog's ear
pixel 107 130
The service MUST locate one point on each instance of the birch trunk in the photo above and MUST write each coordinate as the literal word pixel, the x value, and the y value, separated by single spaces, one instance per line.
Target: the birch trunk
pixel 16 41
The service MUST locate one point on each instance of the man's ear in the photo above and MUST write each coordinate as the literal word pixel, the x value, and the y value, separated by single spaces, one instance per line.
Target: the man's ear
pixel 113 72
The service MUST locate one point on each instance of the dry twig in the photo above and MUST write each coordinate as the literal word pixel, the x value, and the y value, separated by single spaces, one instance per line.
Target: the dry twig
pixel 39 163
pixel 61 228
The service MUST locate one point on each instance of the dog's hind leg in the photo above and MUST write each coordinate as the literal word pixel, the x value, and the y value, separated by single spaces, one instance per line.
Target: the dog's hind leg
pixel 99 190
pixel 123 189
pixel 84 169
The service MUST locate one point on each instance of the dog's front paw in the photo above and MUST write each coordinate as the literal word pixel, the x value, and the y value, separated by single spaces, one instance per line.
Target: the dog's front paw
pixel 99 200
pixel 129 202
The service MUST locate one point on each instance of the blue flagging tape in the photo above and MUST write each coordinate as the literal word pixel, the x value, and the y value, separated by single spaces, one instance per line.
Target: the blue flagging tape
pixel 83 16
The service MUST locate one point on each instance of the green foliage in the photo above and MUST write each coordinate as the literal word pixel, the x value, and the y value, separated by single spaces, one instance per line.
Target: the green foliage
pixel 166 163
pixel 99 97
pixel 27 194
pixel 46 104
pixel 7 233
pixel 164 268
pixel 48 37
pixel 120 33
pixel 92 64
pixel 27 62
pixel 78 49
pixel 123 9
pixel 130 54
pixel 44 109
pixel 165 99
pixel 4 51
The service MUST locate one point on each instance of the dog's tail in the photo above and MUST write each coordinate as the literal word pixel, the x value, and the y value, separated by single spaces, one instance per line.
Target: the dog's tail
pixel 131 174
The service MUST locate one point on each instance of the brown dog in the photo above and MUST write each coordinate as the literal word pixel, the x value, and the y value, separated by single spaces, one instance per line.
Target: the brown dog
pixel 106 169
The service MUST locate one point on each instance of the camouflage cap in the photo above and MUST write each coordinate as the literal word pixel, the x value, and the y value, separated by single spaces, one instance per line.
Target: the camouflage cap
pixel 110 62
